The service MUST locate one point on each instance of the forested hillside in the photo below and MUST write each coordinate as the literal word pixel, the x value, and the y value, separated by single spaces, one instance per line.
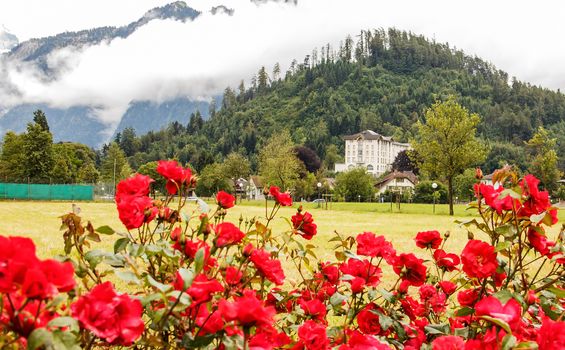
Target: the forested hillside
pixel 382 81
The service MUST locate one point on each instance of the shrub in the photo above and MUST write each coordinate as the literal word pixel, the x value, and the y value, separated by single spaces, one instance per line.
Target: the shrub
pixel 198 281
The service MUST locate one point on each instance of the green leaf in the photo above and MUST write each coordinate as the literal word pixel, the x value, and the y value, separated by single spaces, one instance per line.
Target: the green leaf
pixel 502 324
pixel 61 322
pixel 105 230
pixel 40 337
pixel 120 245
pixel 464 311
pixel 508 342
pixel 442 328
pixel 503 246
pixel 94 257
pixel 127 276
pixel 385 321
pixel 560 293
pixel 199 260
pixel 337 299
pixel 187 277
pixel 158 285
pixel 65 341
pixel 503 295
pixel 388 296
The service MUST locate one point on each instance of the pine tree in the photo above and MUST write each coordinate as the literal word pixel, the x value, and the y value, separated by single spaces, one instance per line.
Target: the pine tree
pixel 40 118
pixel 38 152
pixel 114 166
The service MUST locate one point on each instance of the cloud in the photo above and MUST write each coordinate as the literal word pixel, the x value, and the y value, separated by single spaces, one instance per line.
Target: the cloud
pixel 166 59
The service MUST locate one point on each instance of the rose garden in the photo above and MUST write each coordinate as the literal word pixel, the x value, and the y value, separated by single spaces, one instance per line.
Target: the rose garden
pixel 195 280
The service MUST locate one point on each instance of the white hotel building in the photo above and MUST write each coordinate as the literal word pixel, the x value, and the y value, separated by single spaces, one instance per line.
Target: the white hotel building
pixel 373 151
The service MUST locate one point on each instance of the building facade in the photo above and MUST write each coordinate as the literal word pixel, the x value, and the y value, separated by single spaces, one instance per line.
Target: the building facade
pixel 372 151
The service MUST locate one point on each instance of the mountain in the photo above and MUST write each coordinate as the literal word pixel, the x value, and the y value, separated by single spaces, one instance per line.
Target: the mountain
pixel 144 116
pixel 7 40
pixel 78 123
pixel 384 81
pixel 37 50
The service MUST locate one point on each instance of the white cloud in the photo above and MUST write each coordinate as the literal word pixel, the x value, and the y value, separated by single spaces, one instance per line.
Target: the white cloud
pixel 166 59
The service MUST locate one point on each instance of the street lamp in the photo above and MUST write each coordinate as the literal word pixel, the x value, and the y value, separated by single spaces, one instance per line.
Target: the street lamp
pixel 319 185
pixel 434 186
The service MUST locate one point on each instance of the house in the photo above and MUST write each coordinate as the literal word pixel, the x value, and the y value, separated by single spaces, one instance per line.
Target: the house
pixel 370 150
pixel 397 181
pixel 255 188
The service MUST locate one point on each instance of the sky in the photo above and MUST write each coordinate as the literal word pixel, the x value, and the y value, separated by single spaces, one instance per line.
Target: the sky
pixel 167 59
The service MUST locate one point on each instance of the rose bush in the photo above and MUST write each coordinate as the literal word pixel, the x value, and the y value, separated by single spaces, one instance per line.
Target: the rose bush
pixel 195 280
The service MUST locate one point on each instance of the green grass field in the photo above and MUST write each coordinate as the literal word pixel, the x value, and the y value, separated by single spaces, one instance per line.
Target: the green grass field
pixel 40 221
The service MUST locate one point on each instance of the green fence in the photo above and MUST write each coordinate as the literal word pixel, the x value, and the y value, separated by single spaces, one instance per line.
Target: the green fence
pixel 46 192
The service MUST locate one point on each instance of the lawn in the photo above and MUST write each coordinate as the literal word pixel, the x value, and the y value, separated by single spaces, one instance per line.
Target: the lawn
pixel 40 221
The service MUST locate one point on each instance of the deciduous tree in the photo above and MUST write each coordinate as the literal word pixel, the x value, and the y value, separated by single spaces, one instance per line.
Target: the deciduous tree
pixel 543 164
pixel 446 142
pixel 278 164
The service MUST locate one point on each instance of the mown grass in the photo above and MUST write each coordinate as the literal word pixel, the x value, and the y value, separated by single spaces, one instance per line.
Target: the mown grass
pixel 40 221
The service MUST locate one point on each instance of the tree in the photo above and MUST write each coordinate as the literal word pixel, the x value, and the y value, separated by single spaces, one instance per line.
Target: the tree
pixel 38 153
pixel 150 169
pixel 543 165
pixel 129 142
pixel 12 159
pixel 88 173
pixel 355 184
pixel 424 192
pixel 309 158
pixel 236 166
pixel 332 156
pixel 278 164
pixel 40 119
pixel 404 161
pixel 446 142
pixel 212 179
pixel 463 185
pixel 115 166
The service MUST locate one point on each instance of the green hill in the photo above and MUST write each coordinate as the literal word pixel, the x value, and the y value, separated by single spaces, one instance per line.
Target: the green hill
pixel 382 81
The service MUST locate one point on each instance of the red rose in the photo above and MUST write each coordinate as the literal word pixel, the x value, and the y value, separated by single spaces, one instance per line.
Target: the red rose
pixel 448 342
pixel 361 273
pixel 209 323
pixel 112 317
pixel 267 339
pixel 445 261
pixel 134 211
pixel 304 225
pixel 410 269
pixel 312 336
pixel 551 334
pixel 17 254
pixel 201 289
pixel 175 174
pixel 491 196
pixel 358 341
pixel 233 275
pixel 268 267
pixel 31 314
pixel 47 278
pixel 247 311
pixel 479 259
pixel 467 297
pixel 511 312
pixel 227 234
pixel 368 320
pixel 225 200
pixel 447 287
pixel 537 201
pixel 538 241
pixel 428 239
pixel 282 198
pixel 313 308
pixel 368 244
pixel 330 272
pixel 137 185
pixel 412 308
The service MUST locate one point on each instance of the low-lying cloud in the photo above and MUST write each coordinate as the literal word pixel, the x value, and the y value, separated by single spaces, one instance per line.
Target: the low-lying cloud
pixel 166 59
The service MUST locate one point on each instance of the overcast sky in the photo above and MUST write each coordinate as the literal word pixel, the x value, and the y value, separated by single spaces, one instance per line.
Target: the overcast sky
pixel 198 59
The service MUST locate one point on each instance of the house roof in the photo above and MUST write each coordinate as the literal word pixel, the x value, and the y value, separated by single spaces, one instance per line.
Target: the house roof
pixel 368 135
pixel 398 175
pixel 256 180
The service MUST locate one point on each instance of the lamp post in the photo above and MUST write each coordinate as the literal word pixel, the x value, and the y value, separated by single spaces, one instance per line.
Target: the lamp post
pixel 359 198
pixel 434 186
pixel 319 185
